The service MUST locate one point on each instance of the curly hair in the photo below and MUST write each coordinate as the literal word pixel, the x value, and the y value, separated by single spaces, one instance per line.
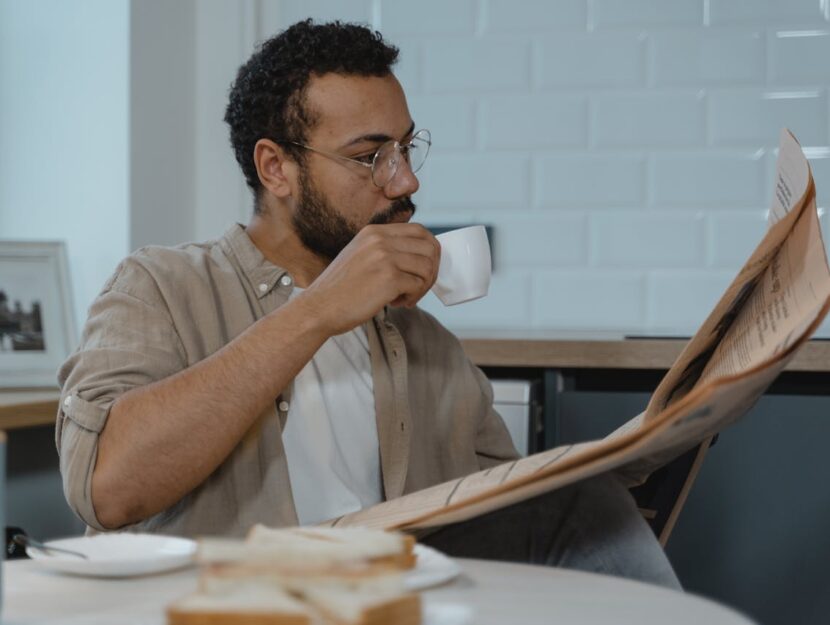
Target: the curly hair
pixel 267 99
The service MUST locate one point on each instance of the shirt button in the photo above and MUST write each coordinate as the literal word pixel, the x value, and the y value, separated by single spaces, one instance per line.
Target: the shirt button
pixel 263 287
pixel 283 406
pixel 67 402
pixel 286 280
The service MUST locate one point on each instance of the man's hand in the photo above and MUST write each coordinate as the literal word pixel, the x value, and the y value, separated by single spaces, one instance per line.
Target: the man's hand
pixel 384 264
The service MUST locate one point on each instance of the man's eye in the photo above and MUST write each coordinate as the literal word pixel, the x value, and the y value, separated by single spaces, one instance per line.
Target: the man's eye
pixel 366 158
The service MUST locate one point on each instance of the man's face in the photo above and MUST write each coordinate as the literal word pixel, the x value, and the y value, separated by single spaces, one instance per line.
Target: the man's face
pixel 325 231
pixel 335 198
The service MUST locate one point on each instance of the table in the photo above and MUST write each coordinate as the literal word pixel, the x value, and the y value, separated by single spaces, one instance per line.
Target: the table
pixel 490 593
pixel 21 408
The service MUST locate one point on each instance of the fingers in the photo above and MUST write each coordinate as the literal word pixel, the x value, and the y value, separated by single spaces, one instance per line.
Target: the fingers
pixel 400 233
pixel 411 289
pixel 409 229
pixel 411 239
pixel 384 264
pixel 416 265
pixel 427 254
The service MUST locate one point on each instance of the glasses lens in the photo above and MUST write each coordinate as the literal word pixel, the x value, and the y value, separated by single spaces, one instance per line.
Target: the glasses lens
pixel 385 163
pixel 418 149
pixel 389 156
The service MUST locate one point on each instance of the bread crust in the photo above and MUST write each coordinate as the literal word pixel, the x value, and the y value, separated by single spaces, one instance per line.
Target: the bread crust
pixel 193 617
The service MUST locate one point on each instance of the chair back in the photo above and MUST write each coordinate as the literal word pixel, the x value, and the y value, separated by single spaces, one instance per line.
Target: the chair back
pixel 662 496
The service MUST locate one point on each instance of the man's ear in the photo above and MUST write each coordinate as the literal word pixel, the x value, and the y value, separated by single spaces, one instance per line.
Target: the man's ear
pixel 275 171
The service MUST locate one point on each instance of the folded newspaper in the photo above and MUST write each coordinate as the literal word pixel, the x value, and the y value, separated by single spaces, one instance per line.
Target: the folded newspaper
pixel 775 303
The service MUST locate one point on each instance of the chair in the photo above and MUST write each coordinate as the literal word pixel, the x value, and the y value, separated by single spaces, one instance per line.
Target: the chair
pixel 662 496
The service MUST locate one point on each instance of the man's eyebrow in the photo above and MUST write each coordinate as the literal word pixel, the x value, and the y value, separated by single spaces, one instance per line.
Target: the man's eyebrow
pixel 378 138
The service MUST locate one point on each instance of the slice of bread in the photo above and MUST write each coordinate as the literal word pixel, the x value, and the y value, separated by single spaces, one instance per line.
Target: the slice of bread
pixel 251 606
pixel 374 545
pixel 256 603
pixel 303 576
pixel 345 607
pixel 369 578
pixel 307 547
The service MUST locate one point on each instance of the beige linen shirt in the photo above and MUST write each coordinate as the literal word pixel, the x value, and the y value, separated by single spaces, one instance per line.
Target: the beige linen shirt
pixel 164 309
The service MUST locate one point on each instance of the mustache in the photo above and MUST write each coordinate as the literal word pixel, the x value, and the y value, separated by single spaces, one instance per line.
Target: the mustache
pixel 402 205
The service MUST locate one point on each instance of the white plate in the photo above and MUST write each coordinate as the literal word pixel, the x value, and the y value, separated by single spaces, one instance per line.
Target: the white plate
pixel 432 568
pixel 117 555
pixel 447 614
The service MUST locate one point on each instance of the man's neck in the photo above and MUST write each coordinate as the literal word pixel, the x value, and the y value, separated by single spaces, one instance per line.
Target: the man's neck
pixel 278 242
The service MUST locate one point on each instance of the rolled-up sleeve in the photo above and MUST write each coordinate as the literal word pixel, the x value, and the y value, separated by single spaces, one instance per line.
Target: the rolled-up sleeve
pixel 129 341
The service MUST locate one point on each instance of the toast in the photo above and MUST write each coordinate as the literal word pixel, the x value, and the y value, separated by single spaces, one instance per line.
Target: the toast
pixel 302 576
pixel 302 547
pixel 257 603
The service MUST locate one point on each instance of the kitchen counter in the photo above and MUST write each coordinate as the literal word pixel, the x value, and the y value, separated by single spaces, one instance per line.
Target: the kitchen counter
pixel 497 348
pixel 22 408
pixel 555 350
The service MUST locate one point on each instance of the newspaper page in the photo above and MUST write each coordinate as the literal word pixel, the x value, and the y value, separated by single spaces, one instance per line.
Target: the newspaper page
pixel 791 177
pixel 788 297
pixel 793 168
pixel 778 299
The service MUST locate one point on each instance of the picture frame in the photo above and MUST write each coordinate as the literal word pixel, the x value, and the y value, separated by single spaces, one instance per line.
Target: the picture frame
pixel 37 322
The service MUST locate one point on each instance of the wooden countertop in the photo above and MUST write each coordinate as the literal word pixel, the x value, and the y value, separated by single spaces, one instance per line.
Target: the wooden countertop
pixel 21 408
pixel 33 407
pixel 604 353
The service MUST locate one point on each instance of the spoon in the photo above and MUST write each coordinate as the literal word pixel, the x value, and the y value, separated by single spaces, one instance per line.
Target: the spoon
pixel 31 543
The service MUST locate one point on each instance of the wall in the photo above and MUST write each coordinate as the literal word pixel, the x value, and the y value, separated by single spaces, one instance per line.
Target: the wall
pixel 622 150
pixel 162 122
pixel 64 174
pixel 64 132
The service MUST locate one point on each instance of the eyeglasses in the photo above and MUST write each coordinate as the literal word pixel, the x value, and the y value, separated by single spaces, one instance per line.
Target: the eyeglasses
pixel 386 160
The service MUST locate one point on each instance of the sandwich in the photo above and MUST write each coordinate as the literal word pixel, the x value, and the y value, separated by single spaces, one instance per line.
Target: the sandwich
pixel 312 546
pixel 294 600
pixel 302 576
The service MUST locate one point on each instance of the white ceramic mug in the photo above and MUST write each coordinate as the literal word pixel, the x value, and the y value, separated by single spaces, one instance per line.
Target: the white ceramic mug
pixel 464 272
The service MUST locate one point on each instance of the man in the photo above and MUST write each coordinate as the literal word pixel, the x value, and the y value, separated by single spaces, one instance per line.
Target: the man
pixel 282 373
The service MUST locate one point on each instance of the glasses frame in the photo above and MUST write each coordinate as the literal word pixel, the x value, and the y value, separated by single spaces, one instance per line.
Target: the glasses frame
pixel 422 135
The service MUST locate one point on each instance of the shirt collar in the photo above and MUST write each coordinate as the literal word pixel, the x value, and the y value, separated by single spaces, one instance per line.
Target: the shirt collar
pixel 261 273
pixel 259 270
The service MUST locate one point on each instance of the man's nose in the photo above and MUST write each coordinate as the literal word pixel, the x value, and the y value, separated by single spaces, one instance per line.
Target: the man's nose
pixel 403 183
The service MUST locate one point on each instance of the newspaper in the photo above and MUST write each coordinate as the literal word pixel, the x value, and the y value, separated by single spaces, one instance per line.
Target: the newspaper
pixel 775 303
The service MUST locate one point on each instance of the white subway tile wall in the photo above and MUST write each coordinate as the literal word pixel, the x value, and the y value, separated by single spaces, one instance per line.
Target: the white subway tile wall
pixel 622 150
pixel 681 299
pixel 639 13
pixel 599 179
pixel 636 120
pixel 276 14
pixel 794 56
pixel 703 57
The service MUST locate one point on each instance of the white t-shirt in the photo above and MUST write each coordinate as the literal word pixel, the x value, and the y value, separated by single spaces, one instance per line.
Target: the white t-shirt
pixel 330 436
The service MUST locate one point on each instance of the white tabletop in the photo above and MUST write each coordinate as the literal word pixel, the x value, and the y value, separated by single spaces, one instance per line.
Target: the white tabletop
pixel 486 593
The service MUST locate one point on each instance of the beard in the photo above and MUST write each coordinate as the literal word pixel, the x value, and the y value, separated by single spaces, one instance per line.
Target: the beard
pixel 323 230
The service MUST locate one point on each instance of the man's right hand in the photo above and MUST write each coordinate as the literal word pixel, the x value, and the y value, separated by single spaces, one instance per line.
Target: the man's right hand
pixel 384 264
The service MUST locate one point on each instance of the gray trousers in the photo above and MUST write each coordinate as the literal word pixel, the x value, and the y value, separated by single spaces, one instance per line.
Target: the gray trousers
pixel 593 525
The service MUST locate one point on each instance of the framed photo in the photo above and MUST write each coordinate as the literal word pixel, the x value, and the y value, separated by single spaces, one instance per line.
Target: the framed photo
pixel 37 326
